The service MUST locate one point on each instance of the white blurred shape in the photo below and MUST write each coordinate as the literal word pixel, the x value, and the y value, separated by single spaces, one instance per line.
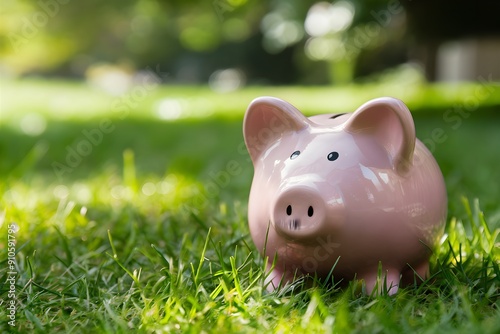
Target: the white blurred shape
pixel 318 19
pixel 225 81
pixel 33 124
pixel 82 192
pixel 280 32
pixel 169 109
pixel 324 48
pixel 148 188
pixel 109 78
pixel 469 59
pixel 83 210
pixel 323 18
pixel 61 191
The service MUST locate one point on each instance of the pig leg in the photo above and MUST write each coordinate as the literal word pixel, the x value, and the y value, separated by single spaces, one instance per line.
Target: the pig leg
pixel 422 269
pixel 391 278
pixel 416 274
pixel 278 278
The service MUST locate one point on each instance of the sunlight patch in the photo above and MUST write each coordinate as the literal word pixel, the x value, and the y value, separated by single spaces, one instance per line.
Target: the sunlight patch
pixel 61 191
pixel 227 80
pixel 149 188
pixel 82 192
pixel 33 124
pixel 121 192
pixel 171 109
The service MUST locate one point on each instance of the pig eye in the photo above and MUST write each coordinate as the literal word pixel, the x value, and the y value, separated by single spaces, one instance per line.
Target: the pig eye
pixel 332 156
pixel 294 155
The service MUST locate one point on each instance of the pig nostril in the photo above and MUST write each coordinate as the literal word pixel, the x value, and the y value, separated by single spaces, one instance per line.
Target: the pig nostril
pixel 310 211
pixel 289 210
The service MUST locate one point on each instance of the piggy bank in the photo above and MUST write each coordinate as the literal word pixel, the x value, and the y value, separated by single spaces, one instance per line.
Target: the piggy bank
pixel 352 195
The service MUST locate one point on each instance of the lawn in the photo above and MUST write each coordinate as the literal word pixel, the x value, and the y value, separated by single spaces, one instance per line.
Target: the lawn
pixel 129 214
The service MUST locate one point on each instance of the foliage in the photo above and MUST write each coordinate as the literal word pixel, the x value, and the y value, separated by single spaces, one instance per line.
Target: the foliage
pixel 191 39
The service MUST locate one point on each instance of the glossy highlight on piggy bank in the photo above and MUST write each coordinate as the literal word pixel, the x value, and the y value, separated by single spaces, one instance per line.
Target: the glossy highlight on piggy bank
pixel 343 194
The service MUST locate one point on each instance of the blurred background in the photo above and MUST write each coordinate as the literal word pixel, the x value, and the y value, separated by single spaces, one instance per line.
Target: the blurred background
pixel 232 43
pixel 168 82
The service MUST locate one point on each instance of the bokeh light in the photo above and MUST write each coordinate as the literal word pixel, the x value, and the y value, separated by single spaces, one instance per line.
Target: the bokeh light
pixel 323 18
pixel 325 48
pixel 33 124
pixel 227 80
pixel 170 109
pixel 112 79
pixel 279 30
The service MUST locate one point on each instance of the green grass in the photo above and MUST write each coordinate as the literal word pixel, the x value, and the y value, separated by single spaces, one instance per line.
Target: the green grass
pixel 139 237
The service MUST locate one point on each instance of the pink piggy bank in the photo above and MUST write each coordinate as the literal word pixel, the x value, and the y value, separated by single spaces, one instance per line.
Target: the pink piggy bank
pixel 347 194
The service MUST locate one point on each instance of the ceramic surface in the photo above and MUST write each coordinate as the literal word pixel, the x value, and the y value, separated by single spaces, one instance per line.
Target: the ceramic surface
pixel 351 191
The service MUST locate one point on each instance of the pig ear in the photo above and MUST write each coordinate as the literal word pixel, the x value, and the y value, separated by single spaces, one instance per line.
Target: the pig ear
pixel 390 123
pixel 267 119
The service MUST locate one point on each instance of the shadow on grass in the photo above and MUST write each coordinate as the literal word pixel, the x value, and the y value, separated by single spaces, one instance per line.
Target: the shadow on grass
pixel 468 153
pixel 68 151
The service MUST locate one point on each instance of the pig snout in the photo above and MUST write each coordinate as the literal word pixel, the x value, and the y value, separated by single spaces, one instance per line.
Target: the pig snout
pixel 298 212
